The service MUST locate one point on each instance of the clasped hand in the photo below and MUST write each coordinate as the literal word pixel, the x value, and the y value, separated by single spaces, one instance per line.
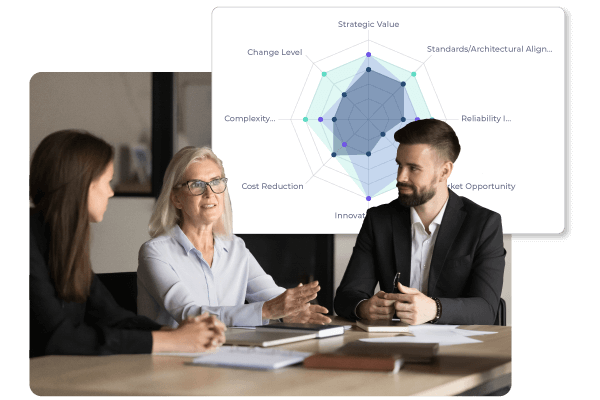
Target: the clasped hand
pixel 205 331
pixel 410 305
pixel 292 305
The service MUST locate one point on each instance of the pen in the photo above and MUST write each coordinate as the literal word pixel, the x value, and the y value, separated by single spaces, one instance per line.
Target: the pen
pixel 396 280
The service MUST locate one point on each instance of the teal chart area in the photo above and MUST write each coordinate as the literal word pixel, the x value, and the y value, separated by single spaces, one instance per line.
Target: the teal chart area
pixel 305 104
pixel 354 113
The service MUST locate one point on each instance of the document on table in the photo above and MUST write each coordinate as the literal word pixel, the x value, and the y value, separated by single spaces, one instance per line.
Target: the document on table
pixel 445 335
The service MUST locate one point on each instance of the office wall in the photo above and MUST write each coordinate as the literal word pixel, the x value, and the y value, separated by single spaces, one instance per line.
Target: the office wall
pixel 194 119
pixel 343 245
pixel 116 241
pixel 115 106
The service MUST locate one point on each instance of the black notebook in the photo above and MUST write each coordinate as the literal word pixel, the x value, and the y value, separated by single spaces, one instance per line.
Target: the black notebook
pixel 320 330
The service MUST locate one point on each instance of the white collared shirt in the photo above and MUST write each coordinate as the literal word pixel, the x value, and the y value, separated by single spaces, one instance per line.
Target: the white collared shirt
pixel 175 282
pixel 422 248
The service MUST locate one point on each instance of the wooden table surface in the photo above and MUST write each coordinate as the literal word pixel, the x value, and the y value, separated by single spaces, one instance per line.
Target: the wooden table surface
pixel 473 368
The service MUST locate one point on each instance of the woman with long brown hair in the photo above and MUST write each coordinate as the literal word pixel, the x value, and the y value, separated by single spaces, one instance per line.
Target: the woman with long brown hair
pixel 71 312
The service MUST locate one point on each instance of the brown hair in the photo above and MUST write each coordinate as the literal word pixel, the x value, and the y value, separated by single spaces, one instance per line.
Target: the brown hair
pixel 62 168
pixel 433 132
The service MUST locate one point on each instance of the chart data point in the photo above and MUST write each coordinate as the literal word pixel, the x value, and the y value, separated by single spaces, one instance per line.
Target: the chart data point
pixel 403 119
pixel 402 84
pixel 368 198
pixel 413 74
pixel 305 119
pixel 333 154
pixel 368 154
pixel 382 134
pixel 334 119
pixel 344 94
pixel 417 118
pixel 320 119
pixel 368 54
pixel 368 69
pixel 344 144
pixel 325 73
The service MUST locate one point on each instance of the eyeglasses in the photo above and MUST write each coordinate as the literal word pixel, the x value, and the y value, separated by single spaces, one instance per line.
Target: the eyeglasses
pixel 199 187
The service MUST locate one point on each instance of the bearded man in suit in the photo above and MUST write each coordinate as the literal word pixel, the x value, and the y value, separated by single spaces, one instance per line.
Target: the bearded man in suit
pixel 448 250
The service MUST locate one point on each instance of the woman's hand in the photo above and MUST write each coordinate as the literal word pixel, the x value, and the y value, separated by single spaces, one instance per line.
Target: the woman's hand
pixel 291 302
pixel 194 335
pixel 313 315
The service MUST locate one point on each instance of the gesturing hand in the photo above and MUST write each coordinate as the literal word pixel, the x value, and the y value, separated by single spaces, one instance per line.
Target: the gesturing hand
pixel 377 307
pixel 291 302
pixel 313 315
pixel 412 306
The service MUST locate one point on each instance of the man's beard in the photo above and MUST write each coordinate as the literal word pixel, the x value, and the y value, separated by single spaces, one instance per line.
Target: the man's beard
pixel 416 198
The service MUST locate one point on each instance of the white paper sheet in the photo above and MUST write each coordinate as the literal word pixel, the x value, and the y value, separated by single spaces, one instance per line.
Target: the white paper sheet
pixel 445 335
pixel 465 332
pixel 430 328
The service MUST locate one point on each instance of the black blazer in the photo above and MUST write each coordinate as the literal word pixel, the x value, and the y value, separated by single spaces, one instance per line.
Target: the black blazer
pixel 98 326
pixel 467 265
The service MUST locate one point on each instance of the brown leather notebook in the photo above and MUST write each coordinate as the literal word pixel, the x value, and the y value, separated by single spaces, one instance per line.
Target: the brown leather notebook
pixel 353 363
pixel 409 352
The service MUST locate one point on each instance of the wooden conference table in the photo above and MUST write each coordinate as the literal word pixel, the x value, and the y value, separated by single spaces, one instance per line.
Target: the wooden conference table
pixel 477 368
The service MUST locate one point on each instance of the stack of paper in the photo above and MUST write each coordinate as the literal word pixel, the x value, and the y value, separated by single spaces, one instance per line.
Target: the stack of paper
pixel 445 335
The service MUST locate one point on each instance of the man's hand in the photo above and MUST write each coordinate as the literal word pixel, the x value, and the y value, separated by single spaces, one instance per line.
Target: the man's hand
pixel 377 307
pixel 291 302
pixel 313 315
pixel 412 306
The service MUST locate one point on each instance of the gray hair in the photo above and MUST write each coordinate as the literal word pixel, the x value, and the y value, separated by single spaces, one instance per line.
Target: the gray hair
pixel 165 215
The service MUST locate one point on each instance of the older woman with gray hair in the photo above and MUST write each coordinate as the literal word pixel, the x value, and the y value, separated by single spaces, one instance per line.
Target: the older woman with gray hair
pixel 195 264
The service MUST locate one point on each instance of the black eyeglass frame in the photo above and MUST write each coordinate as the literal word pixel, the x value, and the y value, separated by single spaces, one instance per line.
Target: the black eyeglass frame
pixel 224 180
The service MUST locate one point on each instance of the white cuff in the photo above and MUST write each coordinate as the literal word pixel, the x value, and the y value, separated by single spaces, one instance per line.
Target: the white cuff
pixel 356 309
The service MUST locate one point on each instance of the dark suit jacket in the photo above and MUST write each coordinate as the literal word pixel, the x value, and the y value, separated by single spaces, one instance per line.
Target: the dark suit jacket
pixel 98 326
pixel 467 266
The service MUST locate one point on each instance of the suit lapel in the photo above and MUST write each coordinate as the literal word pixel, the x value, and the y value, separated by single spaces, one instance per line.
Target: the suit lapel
pixel 451 223
pixel 402 237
